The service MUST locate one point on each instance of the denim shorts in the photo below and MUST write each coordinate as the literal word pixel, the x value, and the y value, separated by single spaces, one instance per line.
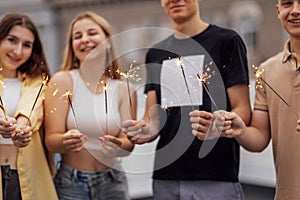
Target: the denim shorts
pixel 73 184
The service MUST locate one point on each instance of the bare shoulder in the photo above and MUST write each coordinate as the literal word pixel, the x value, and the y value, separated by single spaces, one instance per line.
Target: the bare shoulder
pixel 60 76
pixel 61 79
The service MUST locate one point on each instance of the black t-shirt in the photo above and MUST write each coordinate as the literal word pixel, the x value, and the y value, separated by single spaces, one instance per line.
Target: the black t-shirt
pixel 177 154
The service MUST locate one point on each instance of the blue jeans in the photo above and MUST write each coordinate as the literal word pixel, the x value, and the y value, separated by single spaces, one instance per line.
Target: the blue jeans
pixel 73 184
pixel 196 190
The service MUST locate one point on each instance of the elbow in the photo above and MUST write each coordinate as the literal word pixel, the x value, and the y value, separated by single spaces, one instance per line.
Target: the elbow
pixel 256 148
pixel 247 117
pixel 50 145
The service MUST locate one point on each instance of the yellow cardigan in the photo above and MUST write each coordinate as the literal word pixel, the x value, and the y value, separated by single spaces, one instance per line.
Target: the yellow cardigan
pixel 34 173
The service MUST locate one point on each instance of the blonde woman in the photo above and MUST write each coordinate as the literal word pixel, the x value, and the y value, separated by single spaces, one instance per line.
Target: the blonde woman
pixel 85 127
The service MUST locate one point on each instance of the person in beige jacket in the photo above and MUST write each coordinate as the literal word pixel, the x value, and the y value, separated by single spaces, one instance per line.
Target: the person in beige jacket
pixel 25 173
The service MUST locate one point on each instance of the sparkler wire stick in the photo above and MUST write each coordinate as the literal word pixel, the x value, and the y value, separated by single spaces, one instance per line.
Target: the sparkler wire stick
pixel 106 121
pixel 45 79
pixel 2 105
pixel 280 97
pixel 107 63
pixel 258 73
pixel 129 93
pixel 203 82
pixel 68 94
pixel 185 81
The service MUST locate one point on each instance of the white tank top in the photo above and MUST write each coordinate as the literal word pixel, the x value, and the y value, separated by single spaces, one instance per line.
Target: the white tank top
pixel 10 97
pixel 90 111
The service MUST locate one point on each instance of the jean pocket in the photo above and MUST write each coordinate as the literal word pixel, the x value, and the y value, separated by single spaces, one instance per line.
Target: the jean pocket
pixel 118 176
pixel 64 179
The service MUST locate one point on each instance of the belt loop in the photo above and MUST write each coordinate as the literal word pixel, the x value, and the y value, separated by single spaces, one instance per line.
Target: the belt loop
pixel 58 164
pixel 112 174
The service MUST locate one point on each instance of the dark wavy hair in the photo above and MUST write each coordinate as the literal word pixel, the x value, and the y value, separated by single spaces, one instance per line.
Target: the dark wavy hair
pixel 36 64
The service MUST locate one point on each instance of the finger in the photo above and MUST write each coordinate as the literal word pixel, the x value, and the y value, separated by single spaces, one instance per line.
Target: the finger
pixel 194 119
pixel 195 113
pixel 6 134
pixel 72 134
pixel 133 128
pixel 113 140
pixel 228 134
pixel 206 115
pixel 74 146
pixel 128 123
pixel 200 129
pixel 199 135
pixel 204 122
pixel 72 141
pixel 134 133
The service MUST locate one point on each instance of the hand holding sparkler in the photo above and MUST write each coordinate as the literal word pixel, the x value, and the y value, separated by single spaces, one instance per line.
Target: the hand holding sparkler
pixel 111 145
pixel 22 136
pixel 7 127
pixel 74 140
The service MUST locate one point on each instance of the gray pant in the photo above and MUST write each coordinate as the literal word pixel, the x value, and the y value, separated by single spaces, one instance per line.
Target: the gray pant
pixel 73 184
pixel 196 190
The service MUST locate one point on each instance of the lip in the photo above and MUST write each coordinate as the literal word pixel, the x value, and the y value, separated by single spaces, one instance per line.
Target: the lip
pixel 294 22
pixel 13 59
pixel 87 49
pixel 175 8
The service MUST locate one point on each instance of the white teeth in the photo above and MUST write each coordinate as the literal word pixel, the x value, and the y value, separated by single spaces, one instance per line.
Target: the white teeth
pixel 295 21
pixel 87 49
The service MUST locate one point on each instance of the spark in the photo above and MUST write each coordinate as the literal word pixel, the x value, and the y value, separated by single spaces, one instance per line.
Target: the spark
pixel 259 80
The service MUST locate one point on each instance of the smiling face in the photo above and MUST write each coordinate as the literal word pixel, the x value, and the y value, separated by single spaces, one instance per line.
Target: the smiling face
pixel 180 10
pixel 288 12
pixel 15 50
pixel 86 35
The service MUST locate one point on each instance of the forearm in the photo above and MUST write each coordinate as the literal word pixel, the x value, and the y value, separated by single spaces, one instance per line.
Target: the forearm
pixel 253 140
pixel 244 112
pixel 54 143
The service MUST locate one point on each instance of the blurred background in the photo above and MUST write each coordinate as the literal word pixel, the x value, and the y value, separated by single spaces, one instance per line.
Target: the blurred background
pixel 255 20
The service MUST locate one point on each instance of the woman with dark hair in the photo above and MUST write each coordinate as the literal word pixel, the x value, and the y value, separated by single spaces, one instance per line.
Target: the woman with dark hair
pixel 24 169
pixel 85 127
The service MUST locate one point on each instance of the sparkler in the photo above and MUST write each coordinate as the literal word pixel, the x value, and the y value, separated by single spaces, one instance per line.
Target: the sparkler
pixel 258 75
pixel 128 89
pixel 185 81
pixel 203 78
pixel 2 106
pixel 106 110
pixel 68 94
pixel 131 74
pixel 106 121
pixel 45 79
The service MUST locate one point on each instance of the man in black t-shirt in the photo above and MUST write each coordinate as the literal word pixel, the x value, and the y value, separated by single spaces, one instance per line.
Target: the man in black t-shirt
pixel 188 167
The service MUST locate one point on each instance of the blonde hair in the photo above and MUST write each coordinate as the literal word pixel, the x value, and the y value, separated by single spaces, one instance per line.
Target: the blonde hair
pixel 71 62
